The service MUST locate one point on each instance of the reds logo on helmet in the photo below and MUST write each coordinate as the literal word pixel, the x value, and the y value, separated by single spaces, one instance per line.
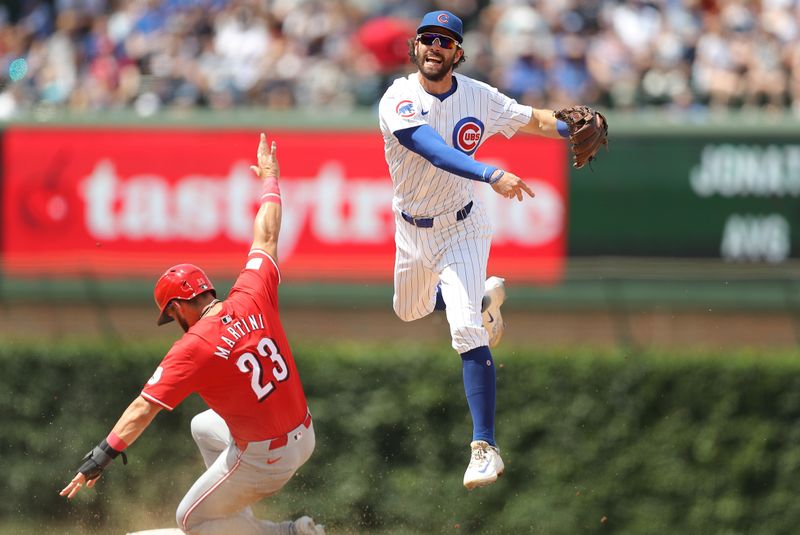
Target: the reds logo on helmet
pixel 405 109
pixel 467 134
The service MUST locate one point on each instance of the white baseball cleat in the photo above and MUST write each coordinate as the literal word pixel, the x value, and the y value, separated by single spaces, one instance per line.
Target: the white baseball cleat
pixel 485 465
pixel 305 526
pixel 494 293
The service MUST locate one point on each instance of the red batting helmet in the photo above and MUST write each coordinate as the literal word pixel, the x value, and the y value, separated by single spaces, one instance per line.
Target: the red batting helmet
pixel 183 281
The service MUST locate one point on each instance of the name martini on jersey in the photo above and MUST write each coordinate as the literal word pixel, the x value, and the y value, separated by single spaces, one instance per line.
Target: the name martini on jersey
pixel 238 329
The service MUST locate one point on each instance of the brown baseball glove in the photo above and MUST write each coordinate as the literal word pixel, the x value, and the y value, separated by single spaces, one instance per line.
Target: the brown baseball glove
pixel 588 131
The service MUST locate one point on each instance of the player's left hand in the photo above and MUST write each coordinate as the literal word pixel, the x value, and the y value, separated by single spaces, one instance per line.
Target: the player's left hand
pixel 510 186
pixel 267 156
pixel 75 485
pixel 588 131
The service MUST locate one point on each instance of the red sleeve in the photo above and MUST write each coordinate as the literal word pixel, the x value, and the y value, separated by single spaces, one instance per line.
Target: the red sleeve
pixel 259 278
pixel 174 379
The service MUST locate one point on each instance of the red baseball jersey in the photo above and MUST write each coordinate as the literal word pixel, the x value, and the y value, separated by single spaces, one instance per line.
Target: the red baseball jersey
pixel 238 361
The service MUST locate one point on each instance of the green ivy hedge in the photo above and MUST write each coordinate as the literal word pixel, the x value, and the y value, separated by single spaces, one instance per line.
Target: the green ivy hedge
pixel 594 442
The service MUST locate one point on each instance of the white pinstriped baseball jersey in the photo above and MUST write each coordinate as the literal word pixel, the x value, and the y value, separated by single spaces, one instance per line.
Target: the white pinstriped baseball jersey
pixel 465 119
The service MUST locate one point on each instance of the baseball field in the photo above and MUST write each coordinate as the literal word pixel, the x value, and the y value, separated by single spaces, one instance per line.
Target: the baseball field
pixel 647 380
pixel 597 440
pixel 294 263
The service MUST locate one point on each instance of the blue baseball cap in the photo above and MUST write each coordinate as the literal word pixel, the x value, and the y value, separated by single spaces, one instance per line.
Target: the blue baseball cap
pixel 442 19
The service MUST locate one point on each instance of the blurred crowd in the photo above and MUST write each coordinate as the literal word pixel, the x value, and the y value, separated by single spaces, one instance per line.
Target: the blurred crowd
pixel 617 54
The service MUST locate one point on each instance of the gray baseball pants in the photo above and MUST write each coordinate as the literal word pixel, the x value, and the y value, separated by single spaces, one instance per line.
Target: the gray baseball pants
pixel 219 501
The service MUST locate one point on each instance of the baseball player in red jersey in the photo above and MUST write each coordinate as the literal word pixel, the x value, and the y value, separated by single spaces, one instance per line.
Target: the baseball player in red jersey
pixel 235 355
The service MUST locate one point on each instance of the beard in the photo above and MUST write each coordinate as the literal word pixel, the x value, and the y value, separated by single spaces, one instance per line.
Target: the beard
pixel 183 323
pixel 435 72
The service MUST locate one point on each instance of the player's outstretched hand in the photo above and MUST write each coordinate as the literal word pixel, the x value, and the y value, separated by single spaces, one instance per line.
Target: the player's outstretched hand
pixel 75 485
pixel 510 186
pixel 267 156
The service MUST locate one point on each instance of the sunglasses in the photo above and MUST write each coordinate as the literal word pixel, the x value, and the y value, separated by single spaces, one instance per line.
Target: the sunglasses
pixel 443 41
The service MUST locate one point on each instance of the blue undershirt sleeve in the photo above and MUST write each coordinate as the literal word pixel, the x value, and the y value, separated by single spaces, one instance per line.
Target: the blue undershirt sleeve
pixel 427 142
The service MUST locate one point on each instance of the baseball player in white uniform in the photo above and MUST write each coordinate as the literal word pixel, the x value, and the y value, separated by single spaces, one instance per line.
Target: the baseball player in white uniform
pixel 432 123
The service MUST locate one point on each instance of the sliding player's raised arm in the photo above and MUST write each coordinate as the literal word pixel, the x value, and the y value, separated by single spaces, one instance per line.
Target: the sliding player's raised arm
pixel 267 224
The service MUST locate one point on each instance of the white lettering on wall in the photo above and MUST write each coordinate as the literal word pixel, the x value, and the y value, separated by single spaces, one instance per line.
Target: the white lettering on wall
pixel 750 238
pixel 747 170
pixel 337 209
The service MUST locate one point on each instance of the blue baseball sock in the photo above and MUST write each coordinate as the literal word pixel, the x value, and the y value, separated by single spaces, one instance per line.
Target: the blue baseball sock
pixel 480 387
pixel 439 299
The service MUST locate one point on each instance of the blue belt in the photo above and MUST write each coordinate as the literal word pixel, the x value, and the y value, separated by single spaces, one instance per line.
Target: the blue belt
pixel 427 222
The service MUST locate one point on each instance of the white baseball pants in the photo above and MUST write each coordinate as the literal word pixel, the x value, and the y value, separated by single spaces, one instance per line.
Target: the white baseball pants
pixel 218 503
pixel 453 253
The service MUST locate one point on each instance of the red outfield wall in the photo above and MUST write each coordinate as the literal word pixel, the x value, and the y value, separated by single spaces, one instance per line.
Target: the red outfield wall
pixel 132 202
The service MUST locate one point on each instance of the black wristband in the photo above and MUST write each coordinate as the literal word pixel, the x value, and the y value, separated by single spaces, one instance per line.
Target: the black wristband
pixel 98 459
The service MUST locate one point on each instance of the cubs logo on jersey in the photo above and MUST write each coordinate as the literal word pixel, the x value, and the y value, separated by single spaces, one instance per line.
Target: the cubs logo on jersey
pixel 405 109
pixel 467 134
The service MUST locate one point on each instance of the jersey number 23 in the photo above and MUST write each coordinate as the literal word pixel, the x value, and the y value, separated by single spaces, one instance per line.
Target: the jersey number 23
pixel 249 363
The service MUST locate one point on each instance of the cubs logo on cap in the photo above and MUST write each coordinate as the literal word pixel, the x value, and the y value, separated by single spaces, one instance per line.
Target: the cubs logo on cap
pixel 405 109
pixel 467 135
pixel 442 19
